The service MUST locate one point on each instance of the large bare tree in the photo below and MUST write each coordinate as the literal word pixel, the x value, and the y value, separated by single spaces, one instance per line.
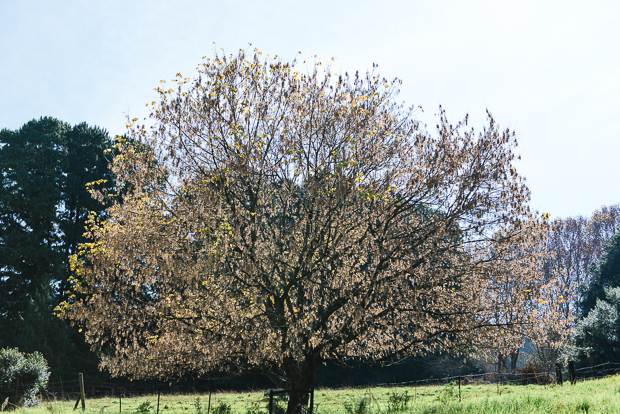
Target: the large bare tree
pixel 286 218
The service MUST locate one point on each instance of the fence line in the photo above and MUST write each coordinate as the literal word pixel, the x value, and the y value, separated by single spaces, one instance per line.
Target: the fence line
pixel 94 389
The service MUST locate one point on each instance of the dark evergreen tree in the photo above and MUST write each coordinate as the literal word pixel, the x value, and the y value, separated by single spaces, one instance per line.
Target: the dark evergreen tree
pixel 604 274
pixel 597 335
pixel 44 167
pixel 32 161
pixel 85 163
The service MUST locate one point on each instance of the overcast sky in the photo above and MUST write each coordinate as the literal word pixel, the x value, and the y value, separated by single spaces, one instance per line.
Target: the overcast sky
pixel 550 70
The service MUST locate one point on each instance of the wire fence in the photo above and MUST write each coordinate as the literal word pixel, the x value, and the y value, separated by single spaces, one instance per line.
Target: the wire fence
pixel 70 390
pixel 515 377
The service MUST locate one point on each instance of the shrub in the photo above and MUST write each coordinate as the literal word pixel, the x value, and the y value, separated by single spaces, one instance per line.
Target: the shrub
pixel 533 373
pixel 597 334
pixel 398 402
pixel 144 408
pixel 448 393
pixel 22 376
pixel 358 406
pixel 222 408
pixel 255 408
pixel 198 406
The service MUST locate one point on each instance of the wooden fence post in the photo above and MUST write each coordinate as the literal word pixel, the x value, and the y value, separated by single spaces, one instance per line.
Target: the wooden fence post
pixel 571 372
pixel 120 400
pixel 81 397
pixel 159 388
pixel 82 391
pixel 270 401
pixel 558 373
pixel 62 389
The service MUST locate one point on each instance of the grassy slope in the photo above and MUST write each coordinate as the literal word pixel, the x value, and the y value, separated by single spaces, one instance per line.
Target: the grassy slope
pixel 596 396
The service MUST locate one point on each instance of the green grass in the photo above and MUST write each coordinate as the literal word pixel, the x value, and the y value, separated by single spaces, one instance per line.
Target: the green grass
pixel 595 396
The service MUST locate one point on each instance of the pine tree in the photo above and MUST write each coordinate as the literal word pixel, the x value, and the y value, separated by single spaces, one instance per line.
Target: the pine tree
pixel 45 166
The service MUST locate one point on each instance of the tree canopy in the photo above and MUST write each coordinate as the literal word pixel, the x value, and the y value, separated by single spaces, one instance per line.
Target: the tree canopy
pixel 285 219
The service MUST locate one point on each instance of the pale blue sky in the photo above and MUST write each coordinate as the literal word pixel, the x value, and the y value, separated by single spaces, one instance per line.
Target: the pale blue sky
pixel 548 69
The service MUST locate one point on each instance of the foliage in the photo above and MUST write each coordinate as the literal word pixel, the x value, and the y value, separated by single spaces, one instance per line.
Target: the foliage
pixel 397 402
pixel 448 393
pixel 532 373
pixel 575 244
pixel 222 408
pixel 597 335
pixel 144 408
pixel 44 204
pixel 284 220
pixel 359 405
pixel 197 406
pixel 605 274
pixel 44 168
pixel 22 376
pixel 255 408
pixel 31 187
pixel 583 406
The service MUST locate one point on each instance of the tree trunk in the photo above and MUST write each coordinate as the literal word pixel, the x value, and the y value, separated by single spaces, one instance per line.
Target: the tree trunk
pixel 302 377
pixel 501 362
pixel 514 356
pixel 296 401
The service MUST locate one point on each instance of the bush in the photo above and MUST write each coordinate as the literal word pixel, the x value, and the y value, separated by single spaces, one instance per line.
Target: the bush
pixel 144 408
pixel 532 373
pixel 358 406
pixel 448 393
pixel 222 408
pixel 22 376
pixel 398 402
pixel 598 334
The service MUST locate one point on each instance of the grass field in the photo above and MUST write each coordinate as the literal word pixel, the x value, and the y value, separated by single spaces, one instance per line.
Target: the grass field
pixel 593 396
